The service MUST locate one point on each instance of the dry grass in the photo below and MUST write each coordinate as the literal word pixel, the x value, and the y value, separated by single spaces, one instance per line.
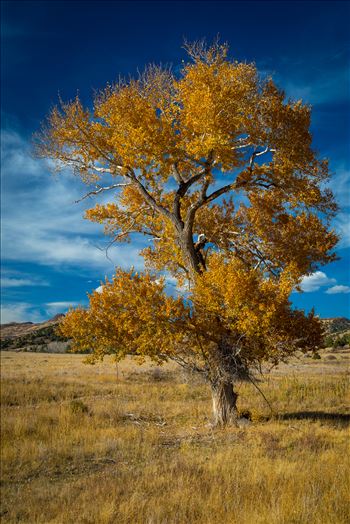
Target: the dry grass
pixel 100 444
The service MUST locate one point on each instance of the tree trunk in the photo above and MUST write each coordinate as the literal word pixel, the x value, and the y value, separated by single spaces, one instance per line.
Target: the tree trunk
pixel 187 247
pixel 224 404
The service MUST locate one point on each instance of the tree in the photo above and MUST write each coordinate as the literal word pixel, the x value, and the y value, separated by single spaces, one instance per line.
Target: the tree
pixel 216 167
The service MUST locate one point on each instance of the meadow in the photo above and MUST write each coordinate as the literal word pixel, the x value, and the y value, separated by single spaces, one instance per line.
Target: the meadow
pixel 127 444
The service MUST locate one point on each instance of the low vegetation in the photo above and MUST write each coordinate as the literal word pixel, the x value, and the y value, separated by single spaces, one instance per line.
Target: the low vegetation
pixel 337 340
pixel 129 444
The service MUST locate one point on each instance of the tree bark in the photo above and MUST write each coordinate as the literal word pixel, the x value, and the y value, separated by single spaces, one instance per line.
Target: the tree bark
pixel 224 404
pixel 187 246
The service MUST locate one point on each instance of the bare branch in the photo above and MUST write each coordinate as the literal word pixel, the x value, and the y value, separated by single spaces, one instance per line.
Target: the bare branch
pixel 100 190
pixel 79 164
pixel 256 154
pixel 241 146
pixel 106 169
pixel 191 366
pixel 261 393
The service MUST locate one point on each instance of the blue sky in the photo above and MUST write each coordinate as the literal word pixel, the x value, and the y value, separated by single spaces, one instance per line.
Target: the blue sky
pixel 51 257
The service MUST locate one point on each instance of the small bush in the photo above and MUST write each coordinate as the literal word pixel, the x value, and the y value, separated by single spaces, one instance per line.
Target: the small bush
pixel 77 407
pixel 333 341
pixel 343 340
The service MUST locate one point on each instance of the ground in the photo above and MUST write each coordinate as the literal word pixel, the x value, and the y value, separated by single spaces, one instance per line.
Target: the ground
pixel 129 444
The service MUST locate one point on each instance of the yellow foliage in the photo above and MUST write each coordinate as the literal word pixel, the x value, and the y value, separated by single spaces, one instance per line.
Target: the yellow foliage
pixel 253 310
pixel 131 314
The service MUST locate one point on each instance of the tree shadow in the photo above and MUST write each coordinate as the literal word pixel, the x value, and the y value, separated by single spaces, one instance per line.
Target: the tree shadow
pixel 320 416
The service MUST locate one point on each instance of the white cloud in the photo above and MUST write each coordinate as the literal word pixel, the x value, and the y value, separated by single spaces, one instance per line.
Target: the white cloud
pixel 315 281
pixel 173 288
pixel 65 304
pixel 338 289
pixel 16 157
pixel 41 221
pixel 20 312
pixel 25 312
pixel 52 308
pixel 59 250
pixel 22 282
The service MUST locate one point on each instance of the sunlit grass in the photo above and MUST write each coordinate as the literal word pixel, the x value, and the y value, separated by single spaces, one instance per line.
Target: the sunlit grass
pixel 107 444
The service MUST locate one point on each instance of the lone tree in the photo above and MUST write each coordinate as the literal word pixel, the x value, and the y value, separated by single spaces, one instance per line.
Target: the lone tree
pixel 216 167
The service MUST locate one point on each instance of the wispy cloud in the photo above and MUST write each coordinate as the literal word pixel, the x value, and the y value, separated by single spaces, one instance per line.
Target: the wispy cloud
pixel 19 312
pixel 342 226
pixel 320 81
pixel 22 282
pixel 331 89
pixel 338 289
pixel 52 308
pixel 26 312
pixel 41 221
pixel 340 185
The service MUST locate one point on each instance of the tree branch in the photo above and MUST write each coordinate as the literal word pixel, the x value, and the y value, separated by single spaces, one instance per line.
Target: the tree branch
pixel 102 153
pixel 242 143
pixel 202 196
pixel 100 190
pixel 79 164
pixel 233 185
pixel 150 199
pixel 219 192
pixel 258 153
pixel 177 174
pixel 188 365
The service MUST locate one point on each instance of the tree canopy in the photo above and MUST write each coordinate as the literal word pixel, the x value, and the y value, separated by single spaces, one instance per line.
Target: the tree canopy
pixel 216 167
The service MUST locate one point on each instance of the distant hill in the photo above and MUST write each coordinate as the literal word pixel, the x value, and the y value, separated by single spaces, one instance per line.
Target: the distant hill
pixel 28 336
pixel 336 325
pixel 43 337
pixel 336 332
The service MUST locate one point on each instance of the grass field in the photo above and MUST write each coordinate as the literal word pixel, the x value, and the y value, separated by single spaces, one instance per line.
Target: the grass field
pixel 128 444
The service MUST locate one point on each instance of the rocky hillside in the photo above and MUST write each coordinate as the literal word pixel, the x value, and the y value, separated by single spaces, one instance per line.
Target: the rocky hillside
pixel 336 332
pixel 336 325
pixel 27 336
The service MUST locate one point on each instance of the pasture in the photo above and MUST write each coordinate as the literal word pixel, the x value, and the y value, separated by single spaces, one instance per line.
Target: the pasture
pixel 127 444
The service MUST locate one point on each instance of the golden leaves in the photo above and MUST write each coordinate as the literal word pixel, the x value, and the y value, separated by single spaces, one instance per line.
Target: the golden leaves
pixel 132 314
pixel 287 235
pixel 171 139
pixel 214 98
pixel 158 119
pixel 254 309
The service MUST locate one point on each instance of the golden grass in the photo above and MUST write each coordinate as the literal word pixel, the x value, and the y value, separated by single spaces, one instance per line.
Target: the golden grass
pixel 129 444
